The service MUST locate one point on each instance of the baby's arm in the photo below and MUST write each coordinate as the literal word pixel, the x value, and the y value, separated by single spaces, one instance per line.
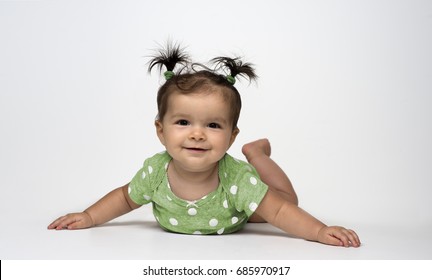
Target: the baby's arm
pixel 112 205
pixel 293 220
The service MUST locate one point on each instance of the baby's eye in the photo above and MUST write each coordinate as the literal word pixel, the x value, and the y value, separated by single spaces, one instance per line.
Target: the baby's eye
pixel 182 122
pixel 214 125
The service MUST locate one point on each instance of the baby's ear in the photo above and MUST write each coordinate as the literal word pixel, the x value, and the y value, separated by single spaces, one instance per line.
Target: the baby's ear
pixel 159 131
pixel 234 134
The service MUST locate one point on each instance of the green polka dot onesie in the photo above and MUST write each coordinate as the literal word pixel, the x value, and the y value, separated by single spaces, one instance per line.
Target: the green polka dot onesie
pixel 222 211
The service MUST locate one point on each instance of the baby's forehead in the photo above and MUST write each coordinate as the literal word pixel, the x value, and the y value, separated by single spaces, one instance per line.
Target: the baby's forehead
pixel 211 92
pixel 179 101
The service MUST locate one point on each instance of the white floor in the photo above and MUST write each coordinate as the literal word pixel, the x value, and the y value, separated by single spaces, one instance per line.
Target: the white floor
pixel 137 236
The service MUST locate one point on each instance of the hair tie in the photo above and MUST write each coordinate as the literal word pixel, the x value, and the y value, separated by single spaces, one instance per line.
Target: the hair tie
pixel 168 75
pixel 231 79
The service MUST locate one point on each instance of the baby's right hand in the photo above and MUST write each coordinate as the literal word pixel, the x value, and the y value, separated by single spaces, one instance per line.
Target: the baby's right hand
pixel 72 221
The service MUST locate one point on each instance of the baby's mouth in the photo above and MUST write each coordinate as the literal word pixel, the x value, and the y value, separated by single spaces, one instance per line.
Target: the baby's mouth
pixel 196 149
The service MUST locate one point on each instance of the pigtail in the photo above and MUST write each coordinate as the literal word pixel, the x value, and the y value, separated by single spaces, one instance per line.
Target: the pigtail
pixel 169 57
pixel 234 67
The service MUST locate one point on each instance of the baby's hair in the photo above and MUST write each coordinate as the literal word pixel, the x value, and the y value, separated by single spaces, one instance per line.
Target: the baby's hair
pixel 190 80
pixel 236 67
pixel 170 57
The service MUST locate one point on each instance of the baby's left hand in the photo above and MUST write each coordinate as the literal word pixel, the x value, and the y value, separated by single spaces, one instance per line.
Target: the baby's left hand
pixel 338 236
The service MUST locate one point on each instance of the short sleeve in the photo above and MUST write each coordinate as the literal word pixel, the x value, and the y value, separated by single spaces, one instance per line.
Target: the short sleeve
pixel 244 185
pixel 142 186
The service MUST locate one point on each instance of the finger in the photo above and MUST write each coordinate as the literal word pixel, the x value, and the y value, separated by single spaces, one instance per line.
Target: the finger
pixel 66 221
pixel 348 237
pixel 353 237
pixel 56 222
pixel 332 240
pixel 342 234
pixel 77 224
pixel 343 238
pixel 52 225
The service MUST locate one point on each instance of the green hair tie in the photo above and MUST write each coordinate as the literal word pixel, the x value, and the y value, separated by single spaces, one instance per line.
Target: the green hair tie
pixel 231 79
pixel 168 75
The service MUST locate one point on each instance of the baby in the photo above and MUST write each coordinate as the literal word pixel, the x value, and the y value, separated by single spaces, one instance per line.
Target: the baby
pixel 194 186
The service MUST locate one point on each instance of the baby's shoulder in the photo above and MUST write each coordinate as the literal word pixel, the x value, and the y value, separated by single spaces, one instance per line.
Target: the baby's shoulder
pixel 235 171
pixel 229 162
pixel 157 164
pixel 158 159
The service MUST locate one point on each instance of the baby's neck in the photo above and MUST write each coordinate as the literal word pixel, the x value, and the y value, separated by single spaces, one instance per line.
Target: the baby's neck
pixel 192 185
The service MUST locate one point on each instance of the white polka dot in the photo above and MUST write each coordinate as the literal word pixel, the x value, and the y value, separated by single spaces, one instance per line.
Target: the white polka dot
pixel 173 221
pixel 253 206
pixel 192 211
pixel 129 190
pixel 213 222
pixel 225 174
pixel 166 166
pixel 221 231
pixel 150 169
pixel 143 175
pixel 197 232
pixel 234 220
pixel 253 181
pixel 225 204
pixel 204 197
pixel 234 189
pixel 169 198
pixel 146 197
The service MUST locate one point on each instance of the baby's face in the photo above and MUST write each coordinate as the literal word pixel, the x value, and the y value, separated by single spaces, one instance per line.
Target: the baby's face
pixel 196 129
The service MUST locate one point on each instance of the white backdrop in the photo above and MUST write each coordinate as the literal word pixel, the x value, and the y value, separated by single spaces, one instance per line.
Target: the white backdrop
pixel 344 96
